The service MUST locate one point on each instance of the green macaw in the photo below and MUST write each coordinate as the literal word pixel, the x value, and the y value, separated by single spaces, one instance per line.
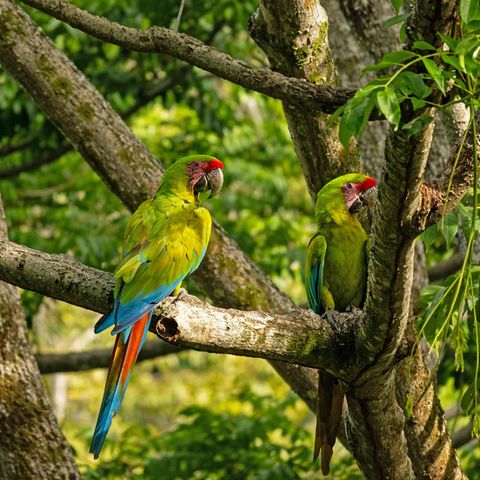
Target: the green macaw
pixel 165 240
pixel 336 277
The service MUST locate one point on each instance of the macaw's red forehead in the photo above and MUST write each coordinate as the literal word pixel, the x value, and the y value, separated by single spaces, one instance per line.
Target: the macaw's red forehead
pixel 213 165
pixel 367 184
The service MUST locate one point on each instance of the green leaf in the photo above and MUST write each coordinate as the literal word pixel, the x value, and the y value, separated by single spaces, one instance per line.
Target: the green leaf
pixel 454 62
pixel 391 59
pixel 435 73
pixel 395 20
pixel 333 118
pixel 429 236
pixel 397 4
pixel 467 399
pixel 450 42
pixel 345 133
pixel 416 84
pixel 468 10
pixel 355 118
pixel 415 126
pixel 388 103
pixel 422 45
pixel 417 104
pixel 448 227
pixel 398 56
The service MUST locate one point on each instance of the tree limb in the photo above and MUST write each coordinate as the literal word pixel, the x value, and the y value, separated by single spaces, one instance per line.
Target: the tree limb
pixel 293 34
pixel 300 336
pixel 49 157
pixel 81 361
pixel 12 148
pixel 444 268
pixel 162 40
pixel 56 276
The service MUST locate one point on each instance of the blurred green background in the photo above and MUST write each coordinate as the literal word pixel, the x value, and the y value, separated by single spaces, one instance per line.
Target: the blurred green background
pixel 190 415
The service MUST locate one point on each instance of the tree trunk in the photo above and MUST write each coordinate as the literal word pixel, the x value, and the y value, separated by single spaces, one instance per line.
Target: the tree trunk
pixel 32 445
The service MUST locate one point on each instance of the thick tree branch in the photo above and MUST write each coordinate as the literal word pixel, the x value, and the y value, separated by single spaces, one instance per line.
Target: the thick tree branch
pixel 458 174
pixel 162 40
pixel 56 276
pixel 400 196
pixel 294 37
pixel 300 337
pixel 81 361
pixel 32 445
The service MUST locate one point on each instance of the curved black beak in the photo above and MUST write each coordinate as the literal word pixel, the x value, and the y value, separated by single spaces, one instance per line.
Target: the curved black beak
pixel 212 181
pixel 365 199
pixel 215 181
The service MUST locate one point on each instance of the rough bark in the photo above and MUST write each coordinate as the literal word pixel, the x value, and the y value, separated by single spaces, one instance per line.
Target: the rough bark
pixel 56 276
pixel 294 35
pixel 32 446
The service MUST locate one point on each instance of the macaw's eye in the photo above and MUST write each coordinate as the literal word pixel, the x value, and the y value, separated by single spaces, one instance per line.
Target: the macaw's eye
pixel 349 185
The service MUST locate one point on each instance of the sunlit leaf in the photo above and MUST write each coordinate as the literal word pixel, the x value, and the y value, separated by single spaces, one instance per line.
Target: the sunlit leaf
pixel 435 73
pixel 468 10
pixel 389 105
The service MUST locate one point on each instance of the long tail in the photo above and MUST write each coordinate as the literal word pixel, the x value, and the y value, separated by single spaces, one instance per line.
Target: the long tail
pixel 127 346
pixel 329 414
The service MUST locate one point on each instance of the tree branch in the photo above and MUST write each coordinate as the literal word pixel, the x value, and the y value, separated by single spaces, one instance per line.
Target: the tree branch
pixel 443 269
pixel 299 337
pixel 458 174
pixel 162 40
pixel 293 34
pixel 81 361
pixel 56 276
pixel 12 148
pixel 50 157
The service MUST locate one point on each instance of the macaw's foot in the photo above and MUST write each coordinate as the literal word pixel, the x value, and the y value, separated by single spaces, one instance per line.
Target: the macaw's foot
pixel 179 294
pixel 329 315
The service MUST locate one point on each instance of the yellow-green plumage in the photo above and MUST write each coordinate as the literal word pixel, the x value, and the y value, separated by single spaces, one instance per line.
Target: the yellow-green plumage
pixel 336 273
pixel 165 240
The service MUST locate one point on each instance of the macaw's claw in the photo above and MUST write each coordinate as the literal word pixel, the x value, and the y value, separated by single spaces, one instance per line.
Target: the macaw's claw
pixel 180 294
pixel 329 315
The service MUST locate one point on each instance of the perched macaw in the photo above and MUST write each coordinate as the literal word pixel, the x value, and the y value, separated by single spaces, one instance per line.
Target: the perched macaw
pixel 336 276
pixel 165 240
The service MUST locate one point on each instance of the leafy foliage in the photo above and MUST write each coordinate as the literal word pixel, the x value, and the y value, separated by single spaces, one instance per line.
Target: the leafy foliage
pixel 455 68
pixel 261 444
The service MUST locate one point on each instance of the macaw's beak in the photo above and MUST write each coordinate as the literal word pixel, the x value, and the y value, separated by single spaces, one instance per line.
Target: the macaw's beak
pixel 365 199
pixel 214 180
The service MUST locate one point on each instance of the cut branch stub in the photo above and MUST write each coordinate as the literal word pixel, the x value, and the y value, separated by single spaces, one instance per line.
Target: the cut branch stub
pixel 300 337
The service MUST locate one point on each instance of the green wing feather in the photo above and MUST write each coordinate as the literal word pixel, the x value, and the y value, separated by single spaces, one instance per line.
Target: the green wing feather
pixel 314 272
